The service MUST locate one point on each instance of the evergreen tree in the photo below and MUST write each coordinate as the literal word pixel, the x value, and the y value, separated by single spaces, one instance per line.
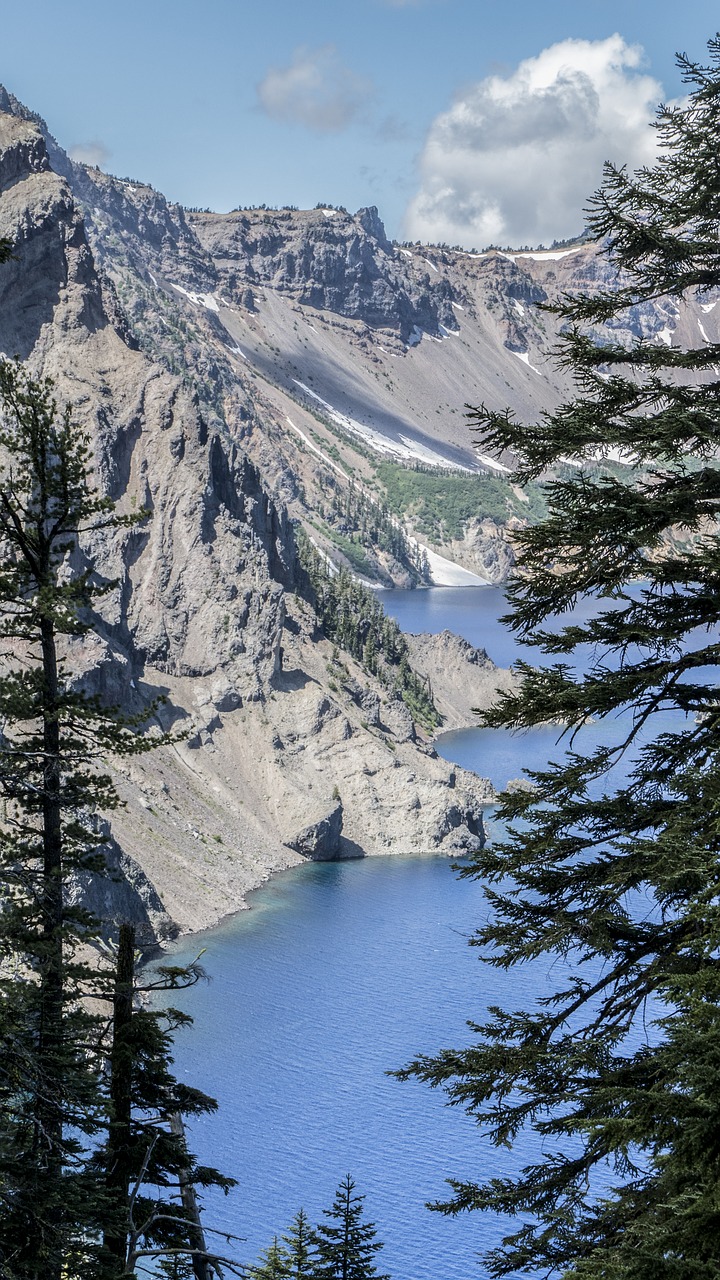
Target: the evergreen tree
pixel 346 1246
pixel 273 1264
pixel 618 1068
pixel 299 1248
pixel 149 1173
pixel 58 1217
pixel 50 780
pixel 351 615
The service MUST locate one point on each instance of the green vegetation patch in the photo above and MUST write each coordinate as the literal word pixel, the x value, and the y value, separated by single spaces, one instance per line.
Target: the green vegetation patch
pixel 441 503
pixel 353 618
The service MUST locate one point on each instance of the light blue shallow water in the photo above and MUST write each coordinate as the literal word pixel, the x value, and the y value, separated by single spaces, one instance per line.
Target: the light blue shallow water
pixel 338 973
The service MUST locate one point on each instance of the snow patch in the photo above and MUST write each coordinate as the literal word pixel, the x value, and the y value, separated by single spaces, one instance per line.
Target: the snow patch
pixel 331 568
pixel 415 337
pixel 701 327
pixel 206 300
pixel 314 449
pixel 523 355
pixel 546 255
pixel 615 454
pixel 237 352
pixel 518 306
pixel 431 264
pixel 444 573
pixel 405 448
pixel 491 462
pixel 406 253
pixel 330 213
pixel 457 306
pixel 708 306
pixel 665 335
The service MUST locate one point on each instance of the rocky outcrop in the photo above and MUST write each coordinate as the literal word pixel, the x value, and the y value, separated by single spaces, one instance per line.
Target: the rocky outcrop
pixel 323 348
pixel 205 607
pixel 326 259
pixel 122 894
pixel 320 840
pixel 463 679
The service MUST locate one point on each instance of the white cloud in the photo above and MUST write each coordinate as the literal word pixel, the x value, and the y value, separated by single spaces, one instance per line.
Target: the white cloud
pixel 315 90
pixel 94 152
pixel 516 158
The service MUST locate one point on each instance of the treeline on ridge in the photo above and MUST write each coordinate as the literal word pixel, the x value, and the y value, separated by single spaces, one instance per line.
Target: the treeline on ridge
pixel 353 618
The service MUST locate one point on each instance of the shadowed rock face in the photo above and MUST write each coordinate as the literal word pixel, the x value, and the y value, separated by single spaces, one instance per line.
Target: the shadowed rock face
pixel 320 840
pixel 206 608
pixel 326 259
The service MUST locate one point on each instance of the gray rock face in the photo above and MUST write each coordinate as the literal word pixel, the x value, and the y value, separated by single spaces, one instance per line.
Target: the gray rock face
pixel 320 841
pixel 326 259
pixel 123 894
pixel 462 678
pixel 208 610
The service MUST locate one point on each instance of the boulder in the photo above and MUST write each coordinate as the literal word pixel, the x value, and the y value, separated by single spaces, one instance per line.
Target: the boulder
pixel 320 841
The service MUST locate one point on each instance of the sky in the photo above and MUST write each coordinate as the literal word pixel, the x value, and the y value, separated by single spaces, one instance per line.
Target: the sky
pixel 465 121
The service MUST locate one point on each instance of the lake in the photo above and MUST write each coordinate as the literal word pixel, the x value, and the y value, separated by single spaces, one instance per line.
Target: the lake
pixel 338 973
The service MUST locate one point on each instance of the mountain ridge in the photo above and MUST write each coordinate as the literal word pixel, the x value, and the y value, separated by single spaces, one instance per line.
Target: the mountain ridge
pixel 209 608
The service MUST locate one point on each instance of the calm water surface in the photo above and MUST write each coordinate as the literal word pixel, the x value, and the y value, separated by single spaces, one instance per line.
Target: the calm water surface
pixel 338 973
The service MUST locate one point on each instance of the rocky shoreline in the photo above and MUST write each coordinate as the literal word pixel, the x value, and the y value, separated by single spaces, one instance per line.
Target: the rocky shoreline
pixel 307 772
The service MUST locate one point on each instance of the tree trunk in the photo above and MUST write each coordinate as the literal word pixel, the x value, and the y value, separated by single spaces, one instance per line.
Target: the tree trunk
pixel 119 1155
pixel 48 1128
pixel 196 1235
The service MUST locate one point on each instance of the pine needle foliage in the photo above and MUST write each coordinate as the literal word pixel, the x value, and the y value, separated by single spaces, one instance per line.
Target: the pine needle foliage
pixel 273 1264
pixel 299 1248
pixel 613 882
pixel 346 1246
pixel 51 783
pixel 73 1170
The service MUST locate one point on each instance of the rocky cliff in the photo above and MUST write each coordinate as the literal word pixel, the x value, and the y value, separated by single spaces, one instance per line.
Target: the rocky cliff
pixel 341 360
pixel 288 752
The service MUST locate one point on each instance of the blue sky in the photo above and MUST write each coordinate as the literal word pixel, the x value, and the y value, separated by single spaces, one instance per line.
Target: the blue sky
pixel 450 115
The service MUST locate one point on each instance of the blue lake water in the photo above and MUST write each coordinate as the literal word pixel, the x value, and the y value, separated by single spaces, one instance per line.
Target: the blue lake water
pixel 338 973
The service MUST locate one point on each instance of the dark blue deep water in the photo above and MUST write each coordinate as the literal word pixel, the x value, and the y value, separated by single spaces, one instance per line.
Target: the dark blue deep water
pixel 337 974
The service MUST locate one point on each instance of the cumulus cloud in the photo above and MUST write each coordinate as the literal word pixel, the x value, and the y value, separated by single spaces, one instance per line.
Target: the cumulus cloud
pixel 516 157
pixel 315 90
pixel 94 152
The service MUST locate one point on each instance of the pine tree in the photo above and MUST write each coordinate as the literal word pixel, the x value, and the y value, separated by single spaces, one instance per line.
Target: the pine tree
pixel 618 1069
pixel 273 1264
pixel 149 1174
pixel 50 780
pixel 299 1248
pixel 55 1209
pixel 346 1246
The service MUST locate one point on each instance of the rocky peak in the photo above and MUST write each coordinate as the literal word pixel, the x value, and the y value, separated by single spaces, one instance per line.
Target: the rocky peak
pixel 372 223
pixel 327 259
pixel 204 610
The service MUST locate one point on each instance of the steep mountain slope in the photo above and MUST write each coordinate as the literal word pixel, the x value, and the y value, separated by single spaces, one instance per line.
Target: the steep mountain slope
pixel 341 361
pixel 288 752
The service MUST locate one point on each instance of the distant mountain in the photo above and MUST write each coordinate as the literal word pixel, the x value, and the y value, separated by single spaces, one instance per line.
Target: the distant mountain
pixel 341 360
